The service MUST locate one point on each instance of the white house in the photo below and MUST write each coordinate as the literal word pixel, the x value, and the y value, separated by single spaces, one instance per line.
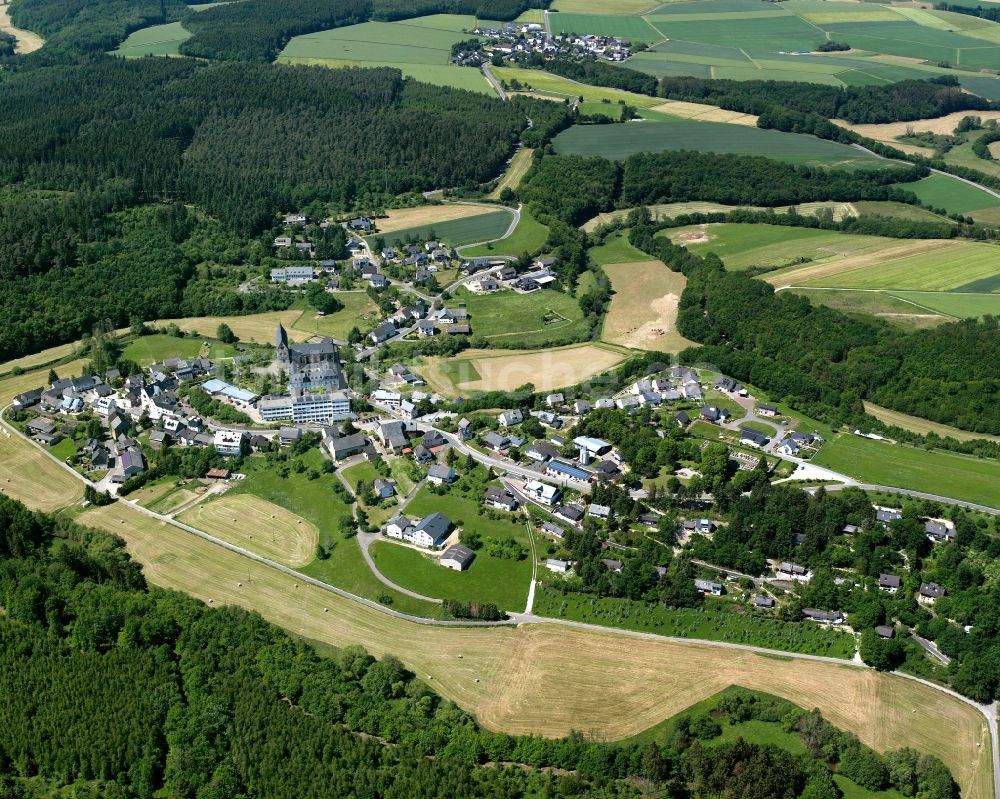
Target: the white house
pixel 457 557
pixel 543 492
pixel 229 442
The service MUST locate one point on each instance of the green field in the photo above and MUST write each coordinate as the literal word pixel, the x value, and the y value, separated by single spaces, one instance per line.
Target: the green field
pixel 717 621
pixel 743 246
pixel 528 237
pixel 455 232
pixel 893 309
pixel 358 310
pixel 950 194
pixel 488 579
pixel 527 320
pixel 620 141
pixel 616 250
pixel 151 349
pixel 962 306
pixel 550 84
pixel 959 266
pixel 315 501
pixel 419 47
pixel 936 472
pixel 155 40
pixel 635 29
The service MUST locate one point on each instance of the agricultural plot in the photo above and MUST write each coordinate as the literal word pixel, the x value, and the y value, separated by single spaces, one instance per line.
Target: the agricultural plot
pixel 635 29
pixel 772 32
pixel 618 142
pixel 943 266
pixel 643 311
pixel 258 525
pixel 518 167
pixel 42 358
pixel 456 232
pixel 12 385
pixel 534 80
pixel 162 40
pixel 420 48
pixel 954 196
pixel 772 246
pixel 546 370
pixel 623 7
pixel 151 349
pixel 958 305
pixel 515 679
pixel 616 249
pixel 527 237
pixel 673 210
pixel 533 319
pixel 423 216
pixel 893 309
pixel 27 474
pixel 936 471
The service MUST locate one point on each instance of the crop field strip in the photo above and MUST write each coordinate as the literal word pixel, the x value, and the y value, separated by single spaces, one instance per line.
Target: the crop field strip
pixel 468 229
pixel 618 142
pixel 515 679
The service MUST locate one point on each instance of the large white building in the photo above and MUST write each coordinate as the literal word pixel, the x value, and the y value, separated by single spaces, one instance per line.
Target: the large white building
pixel 229 442
pixel 325 406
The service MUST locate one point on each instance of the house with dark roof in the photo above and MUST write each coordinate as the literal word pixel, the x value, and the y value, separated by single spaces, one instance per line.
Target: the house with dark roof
pixel 431 531
pixel 708 587
pixel 438 474
pixel 752 438
pixel 929 592
pixel 495 441
pixel 889 583
pixel 499 499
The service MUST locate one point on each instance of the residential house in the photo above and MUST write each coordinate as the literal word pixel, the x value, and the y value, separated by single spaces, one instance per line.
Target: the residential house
pixel 938 532
pixel 542 492
pixel 438 474
pixel 457 557
pixel 788 447
pixel 752 438
pixel 465 431
pixel 889 583
pixel 157 439
pixel 393 436
pixel 26 400
pixel 885 631
pixel 383 332
pixel 714 415
pixel 553 529
pixel 288 436
pixel 887 515
pixel 793 571
pixel 130 462
pixel 929 592
pixel 347 446
pixel 581 407
pixel 496 442
pixel 422 455
pixel 541 451
pixel 554 400
pixel 708 587
pixel 763 409
pixel 571 513
pixel 613 565
pixel 432 531
pixel 425 327
pixel 499 499
pixel 384 488
pixel 762 601
pixel 399 527
pixel 601 512
pixel 361 223
pixel 510 418
pixel 823 616
pixel 391 399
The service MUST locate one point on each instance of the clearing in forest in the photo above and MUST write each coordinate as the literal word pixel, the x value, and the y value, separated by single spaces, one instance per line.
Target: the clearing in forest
pixel 643 312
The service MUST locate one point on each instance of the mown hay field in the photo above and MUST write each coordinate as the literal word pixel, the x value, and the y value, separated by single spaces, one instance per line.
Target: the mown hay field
pixel 424 215
pixel 643 312
pixel 29 475
pixel 548 679
pixel 258 328
pixel 258 525
pixel 922 426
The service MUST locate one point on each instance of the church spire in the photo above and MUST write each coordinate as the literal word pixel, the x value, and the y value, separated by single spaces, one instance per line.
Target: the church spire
pixel 280 337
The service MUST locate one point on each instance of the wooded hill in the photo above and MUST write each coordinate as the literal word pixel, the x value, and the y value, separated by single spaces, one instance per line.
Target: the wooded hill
pixel 245 141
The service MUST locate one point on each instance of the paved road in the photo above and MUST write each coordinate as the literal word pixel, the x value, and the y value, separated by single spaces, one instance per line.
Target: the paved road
pixel 493 81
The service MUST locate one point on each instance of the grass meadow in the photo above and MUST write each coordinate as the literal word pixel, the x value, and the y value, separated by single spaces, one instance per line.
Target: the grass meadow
pixel 956 197
pixel 525 319
pixel 528 237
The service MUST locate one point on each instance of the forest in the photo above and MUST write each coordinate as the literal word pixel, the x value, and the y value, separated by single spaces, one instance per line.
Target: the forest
pixel 575 188
pixel 139 692
pixel 245 141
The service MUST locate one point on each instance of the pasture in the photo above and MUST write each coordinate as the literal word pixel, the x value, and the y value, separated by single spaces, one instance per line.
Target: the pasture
pixel 42 358
pixel 643 311
pixel 518 167
pixel 623 7
pixel 162 40
pixel 935 472
pixel 616 249
pixel 562 88
pixel 258 525
pixel 635 29
pixel 922 426
pixel 29 475
pixel 533 319
pixel 958 305
pixel 527 237
pixel 771 246
pixel 954 196
pixel 618 142
pixel 518 679
pixel 470 229
pixel 546 370
pixel 257 328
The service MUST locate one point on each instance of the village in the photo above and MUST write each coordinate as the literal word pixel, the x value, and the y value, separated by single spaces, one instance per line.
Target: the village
pixel 521 43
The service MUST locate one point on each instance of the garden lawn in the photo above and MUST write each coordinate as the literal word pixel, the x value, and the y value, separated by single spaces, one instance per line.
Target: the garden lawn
pixel 487 579
pixel 534 319
pixel 618 142
pixel 936 472
pixel 717 621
